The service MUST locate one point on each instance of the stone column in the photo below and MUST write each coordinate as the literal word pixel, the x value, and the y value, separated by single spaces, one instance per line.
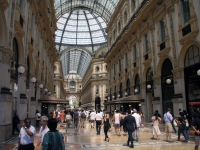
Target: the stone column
pixel 6 97
pixel 32 102
pixel 179 98
pixel 157 100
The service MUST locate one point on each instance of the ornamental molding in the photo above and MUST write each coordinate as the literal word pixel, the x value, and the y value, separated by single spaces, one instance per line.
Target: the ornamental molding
pixel 19 28
pixel 157 80
pixel 4 4
pixel 178 73
pixel 164 52
pixel 5 55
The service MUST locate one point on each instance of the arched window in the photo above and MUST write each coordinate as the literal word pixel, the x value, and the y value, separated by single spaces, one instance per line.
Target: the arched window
pixel 72 86
pixel 192 56
pixel 137 84
pixel 14 62
pixel 120 92
pixel 115 94
pixel 128 87
pixel 149 81
pixel 149 75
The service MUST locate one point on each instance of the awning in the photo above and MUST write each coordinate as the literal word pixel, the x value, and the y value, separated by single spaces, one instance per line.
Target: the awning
pixel 129 99
pixel 51 99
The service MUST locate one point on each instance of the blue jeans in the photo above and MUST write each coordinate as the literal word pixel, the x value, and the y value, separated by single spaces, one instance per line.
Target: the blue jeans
pixel 182 129
pixel 75 122
pixel 98 126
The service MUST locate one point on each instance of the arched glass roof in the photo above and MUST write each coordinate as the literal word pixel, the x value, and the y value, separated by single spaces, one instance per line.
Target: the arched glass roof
pixel 80 27
pixel 81 23
pixel 75 61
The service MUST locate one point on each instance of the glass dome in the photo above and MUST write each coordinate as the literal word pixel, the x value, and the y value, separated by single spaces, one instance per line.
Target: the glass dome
pixel 75 61
pixel 81 27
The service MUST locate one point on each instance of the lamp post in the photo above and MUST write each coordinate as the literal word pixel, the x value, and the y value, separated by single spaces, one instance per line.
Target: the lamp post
pixel 45 90
pixel 33 80
pixel 168 81
pixel 20 70
pixel 126 93
pixel 198 72
pixel 118 96
pixel 136 90
pixel 148 86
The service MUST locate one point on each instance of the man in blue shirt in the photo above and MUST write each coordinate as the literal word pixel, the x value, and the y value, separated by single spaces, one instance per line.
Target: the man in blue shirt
pixel 168 126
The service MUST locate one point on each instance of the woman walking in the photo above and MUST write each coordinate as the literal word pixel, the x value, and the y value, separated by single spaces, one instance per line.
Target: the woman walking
pixel 107 126
pixel 156 131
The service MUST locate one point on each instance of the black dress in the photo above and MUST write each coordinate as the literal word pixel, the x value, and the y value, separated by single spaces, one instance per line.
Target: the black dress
pixel 106 127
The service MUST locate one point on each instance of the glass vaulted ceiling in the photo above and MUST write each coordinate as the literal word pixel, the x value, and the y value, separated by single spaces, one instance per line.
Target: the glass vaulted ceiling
pixel 81 23
pixel 80 27
pixel 75 62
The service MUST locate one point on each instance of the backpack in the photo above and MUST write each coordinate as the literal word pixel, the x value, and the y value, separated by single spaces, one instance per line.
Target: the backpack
pixel 83 115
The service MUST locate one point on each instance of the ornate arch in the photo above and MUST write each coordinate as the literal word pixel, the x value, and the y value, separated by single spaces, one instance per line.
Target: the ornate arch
pixel 184 51
pixel 145 73
pixel 3 28
pixel 160 63
pixel 20 48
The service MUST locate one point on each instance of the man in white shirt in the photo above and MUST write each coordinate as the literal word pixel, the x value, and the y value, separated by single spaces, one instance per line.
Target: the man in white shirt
pixel 99 122
pixel 26 136
pixel 138 122
pixel 92 118
pixel 43 129
pixel 116 120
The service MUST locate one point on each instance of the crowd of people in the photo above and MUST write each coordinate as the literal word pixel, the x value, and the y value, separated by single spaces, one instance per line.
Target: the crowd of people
pixel 128 123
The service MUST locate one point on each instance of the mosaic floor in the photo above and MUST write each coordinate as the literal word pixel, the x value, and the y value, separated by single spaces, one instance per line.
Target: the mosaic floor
pixel 86 139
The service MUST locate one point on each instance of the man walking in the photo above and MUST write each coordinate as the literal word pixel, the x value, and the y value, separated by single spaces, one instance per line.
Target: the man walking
pixel 138 122
pixel 26 136
pixel 99 122
pixel 168 126
pixel 116 120
pixel 131 126
pixel 75 117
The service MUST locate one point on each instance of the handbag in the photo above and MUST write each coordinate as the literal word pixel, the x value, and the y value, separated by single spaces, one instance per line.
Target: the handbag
pixel 174 122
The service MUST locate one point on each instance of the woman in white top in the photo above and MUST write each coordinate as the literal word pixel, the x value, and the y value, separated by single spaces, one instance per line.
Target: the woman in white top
pixel 156 131
pixel 92 118
pixel 68 119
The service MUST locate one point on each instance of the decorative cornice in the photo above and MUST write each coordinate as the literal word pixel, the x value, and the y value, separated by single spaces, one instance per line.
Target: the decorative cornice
pixel 19 28
pixel 4 4
pixel 157 80
pixel 178 73
pixel 164 52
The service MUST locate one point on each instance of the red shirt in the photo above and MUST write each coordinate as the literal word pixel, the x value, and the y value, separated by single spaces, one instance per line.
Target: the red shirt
pixel 62 116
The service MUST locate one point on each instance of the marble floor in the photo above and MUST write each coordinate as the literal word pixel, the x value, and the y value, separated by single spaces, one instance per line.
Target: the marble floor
pixel 86 139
